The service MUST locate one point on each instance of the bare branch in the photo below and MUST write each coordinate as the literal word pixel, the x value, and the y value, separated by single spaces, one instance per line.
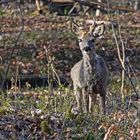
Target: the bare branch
pixel 13 48
pixel 102 6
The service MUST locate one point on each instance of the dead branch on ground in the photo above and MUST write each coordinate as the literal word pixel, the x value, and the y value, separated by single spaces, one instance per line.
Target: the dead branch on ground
pixel 103 7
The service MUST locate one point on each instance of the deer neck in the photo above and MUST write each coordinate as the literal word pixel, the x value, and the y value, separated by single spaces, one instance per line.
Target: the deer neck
pixel 89 70
pixel 89 60
pixel 89 66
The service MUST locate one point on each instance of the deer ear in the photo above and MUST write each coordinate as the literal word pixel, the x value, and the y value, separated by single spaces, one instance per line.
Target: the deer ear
pixel 98 30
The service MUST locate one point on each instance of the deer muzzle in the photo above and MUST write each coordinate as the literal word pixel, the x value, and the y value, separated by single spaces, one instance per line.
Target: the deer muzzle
pixel 87 49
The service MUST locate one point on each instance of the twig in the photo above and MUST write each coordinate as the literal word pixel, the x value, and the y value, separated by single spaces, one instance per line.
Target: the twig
pixel 74 6
pixel 86 11
pixel 52 67
pixel 13 48
pixel 38 5
pixel 133 86
pixel 131 69
pixel 122 61
pixel 122 66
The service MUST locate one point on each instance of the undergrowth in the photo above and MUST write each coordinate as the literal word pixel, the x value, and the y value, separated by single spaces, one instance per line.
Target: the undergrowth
pixel 50 114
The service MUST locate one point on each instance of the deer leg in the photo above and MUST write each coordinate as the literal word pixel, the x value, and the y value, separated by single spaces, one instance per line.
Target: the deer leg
pixel 78 96
pixel 92 101
pixel 102 101
pixel 85 100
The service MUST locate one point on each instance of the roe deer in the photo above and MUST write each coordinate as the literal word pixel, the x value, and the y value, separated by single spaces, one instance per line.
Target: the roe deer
pixel 89 75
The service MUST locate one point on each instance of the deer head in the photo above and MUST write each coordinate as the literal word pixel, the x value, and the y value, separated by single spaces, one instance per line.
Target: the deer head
pixel 87 35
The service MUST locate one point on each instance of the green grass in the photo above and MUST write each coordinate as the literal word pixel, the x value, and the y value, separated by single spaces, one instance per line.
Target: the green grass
pixel 2 13
pixel 58 103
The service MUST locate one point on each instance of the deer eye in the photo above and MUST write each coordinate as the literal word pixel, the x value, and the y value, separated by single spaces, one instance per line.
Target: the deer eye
pixel 80 40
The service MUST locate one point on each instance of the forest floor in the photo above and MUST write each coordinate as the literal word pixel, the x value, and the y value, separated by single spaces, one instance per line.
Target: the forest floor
pixel 47 46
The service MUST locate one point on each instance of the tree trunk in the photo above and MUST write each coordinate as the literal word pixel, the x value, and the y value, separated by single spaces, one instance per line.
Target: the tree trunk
pixel 137 5
pixel 98 12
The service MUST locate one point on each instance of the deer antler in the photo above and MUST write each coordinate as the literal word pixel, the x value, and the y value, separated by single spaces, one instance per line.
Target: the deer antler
pixel 73 22
pixel 77 28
